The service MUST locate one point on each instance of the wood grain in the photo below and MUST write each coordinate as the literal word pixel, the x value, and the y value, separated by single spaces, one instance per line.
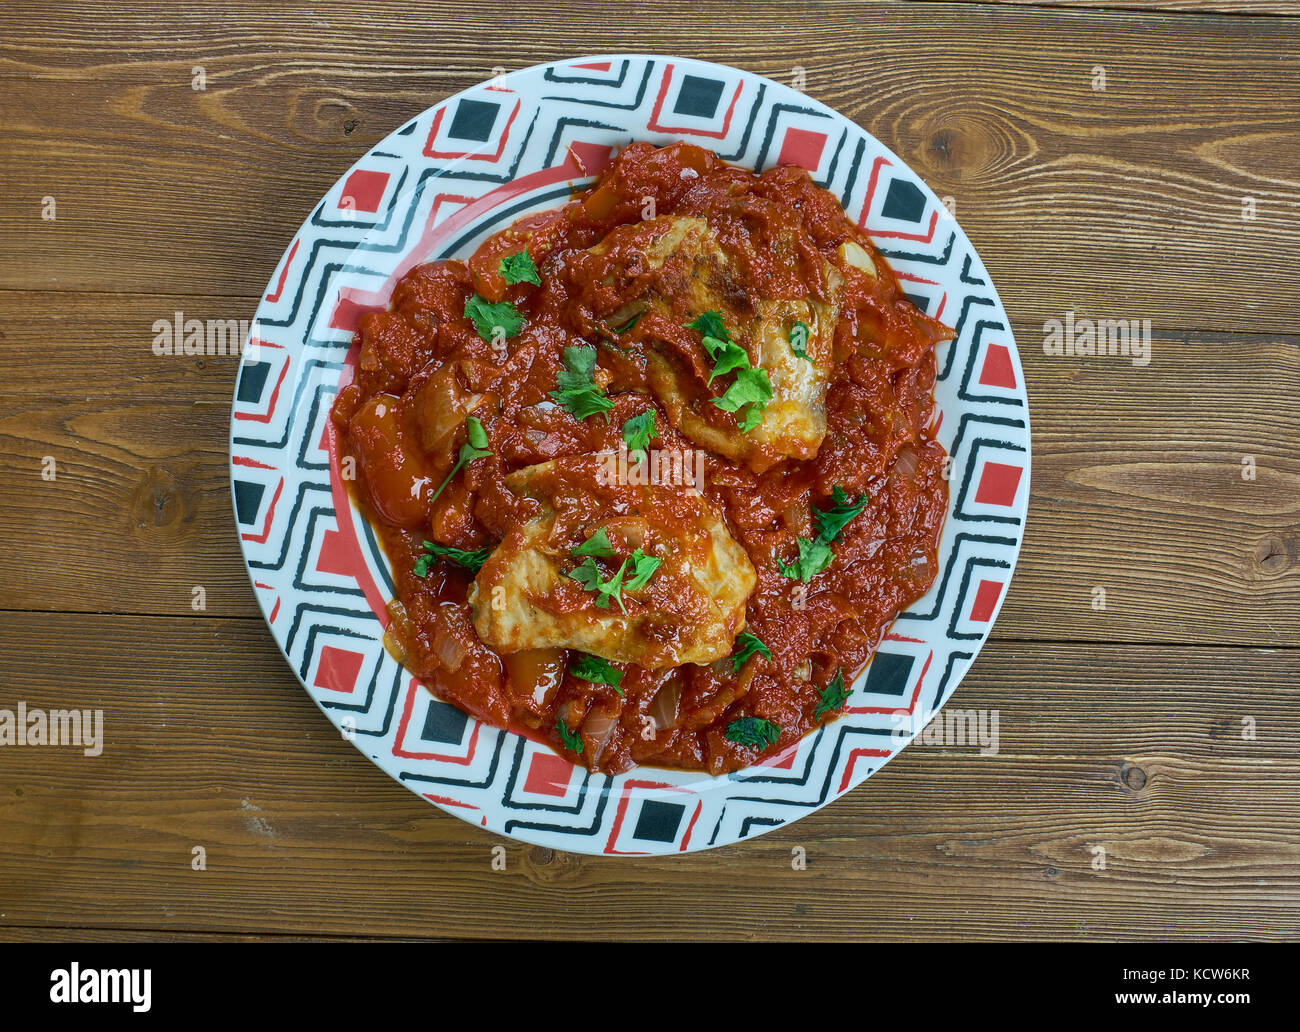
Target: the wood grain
pixel 1136 486
pixel 1066 190
pixel 1281 7
pixel 1136 749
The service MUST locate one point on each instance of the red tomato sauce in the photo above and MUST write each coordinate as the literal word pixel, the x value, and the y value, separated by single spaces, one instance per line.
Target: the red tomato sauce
pixel 421 367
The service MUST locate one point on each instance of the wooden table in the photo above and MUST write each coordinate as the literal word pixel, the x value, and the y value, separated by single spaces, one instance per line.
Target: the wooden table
pixel 1163 728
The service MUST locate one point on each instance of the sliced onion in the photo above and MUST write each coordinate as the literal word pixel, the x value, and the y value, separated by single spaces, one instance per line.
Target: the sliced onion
pixel 663 710
pixel 393 645
pixel 398 631
pixel 450 652
pixel 905 462
pixel 854 255
pixel 598 729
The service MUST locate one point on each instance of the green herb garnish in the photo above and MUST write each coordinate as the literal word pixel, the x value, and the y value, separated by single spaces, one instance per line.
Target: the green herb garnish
pixel 588 575
pixel 799 339
pixel 754 732
pixel 833 696
pixel 726 353
pixel 747 645
pixel 474 448
pixel 472 561
pixel 519 268
pixel 597 671
pixel 637 432
pixel 709 325
pixel 814 557
pixel 576 387
pixel 751 390
pixel 815 554
pixel 643 568
pixel 488 318
pixel 569 738
pixel 597 544
pixel 830 522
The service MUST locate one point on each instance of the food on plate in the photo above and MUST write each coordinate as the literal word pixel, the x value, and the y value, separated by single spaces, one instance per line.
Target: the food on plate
pixel 656 469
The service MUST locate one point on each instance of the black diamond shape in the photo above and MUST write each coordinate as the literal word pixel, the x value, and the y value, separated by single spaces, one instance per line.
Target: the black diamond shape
pixel 904 201
pixel 474 120
pixel 251 381
pixel 658 822
pixel 248 499
pixel 920 300
pixel 698 96
pixel 888 674
pixel 443 723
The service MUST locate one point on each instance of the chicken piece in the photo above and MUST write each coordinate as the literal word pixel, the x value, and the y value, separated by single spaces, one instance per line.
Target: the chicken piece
pixel 677 267
pixel 689 611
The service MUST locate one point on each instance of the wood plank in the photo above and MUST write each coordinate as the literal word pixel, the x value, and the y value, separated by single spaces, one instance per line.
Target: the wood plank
pixel 83 934
pixel 1277 7
pixel 1137 749
pixel 1122 202
pixel 1136 486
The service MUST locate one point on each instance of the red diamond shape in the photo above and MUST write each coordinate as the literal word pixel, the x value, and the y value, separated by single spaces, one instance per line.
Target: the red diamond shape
pixel 548 774
pixel 802 147
pixel 997 371
pixel 335 556
pixel 998 484
pixel 338 669
pixel 986 598
pixel 364 190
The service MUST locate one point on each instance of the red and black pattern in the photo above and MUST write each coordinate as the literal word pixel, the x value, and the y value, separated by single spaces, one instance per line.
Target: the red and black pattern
pixel 435 189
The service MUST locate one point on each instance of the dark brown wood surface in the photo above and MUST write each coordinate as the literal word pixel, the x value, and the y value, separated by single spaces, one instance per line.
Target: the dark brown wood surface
pixel 1163 729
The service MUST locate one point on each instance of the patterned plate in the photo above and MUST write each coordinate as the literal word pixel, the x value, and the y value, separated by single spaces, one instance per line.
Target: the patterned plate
pixel 435 189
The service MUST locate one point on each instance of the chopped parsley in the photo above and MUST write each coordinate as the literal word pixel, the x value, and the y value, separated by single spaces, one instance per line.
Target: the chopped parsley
pixel 637 432
pixel 576 387
pixel 747 645
pixel 570 739
pixel 815 554
pixel 833 696
pixel 597 544
pixel 643 568
pixel 588 575
pixel 751 390
pixel 597 671
pixel 754 732
pixel 519 268
pixel 833 520
pixel 472 560
pixel 710 325
pixel 799 339
pixel 487 318
pixel 474 448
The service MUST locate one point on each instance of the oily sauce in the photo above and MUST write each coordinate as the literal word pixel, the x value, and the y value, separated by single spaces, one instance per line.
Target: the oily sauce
pixel 421 368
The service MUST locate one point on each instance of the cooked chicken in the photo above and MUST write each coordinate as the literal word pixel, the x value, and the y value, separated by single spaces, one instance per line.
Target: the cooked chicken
pixel 682 270
pixel 689 610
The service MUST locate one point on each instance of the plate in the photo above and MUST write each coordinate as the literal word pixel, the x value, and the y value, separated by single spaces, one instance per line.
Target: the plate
pixel 435 189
